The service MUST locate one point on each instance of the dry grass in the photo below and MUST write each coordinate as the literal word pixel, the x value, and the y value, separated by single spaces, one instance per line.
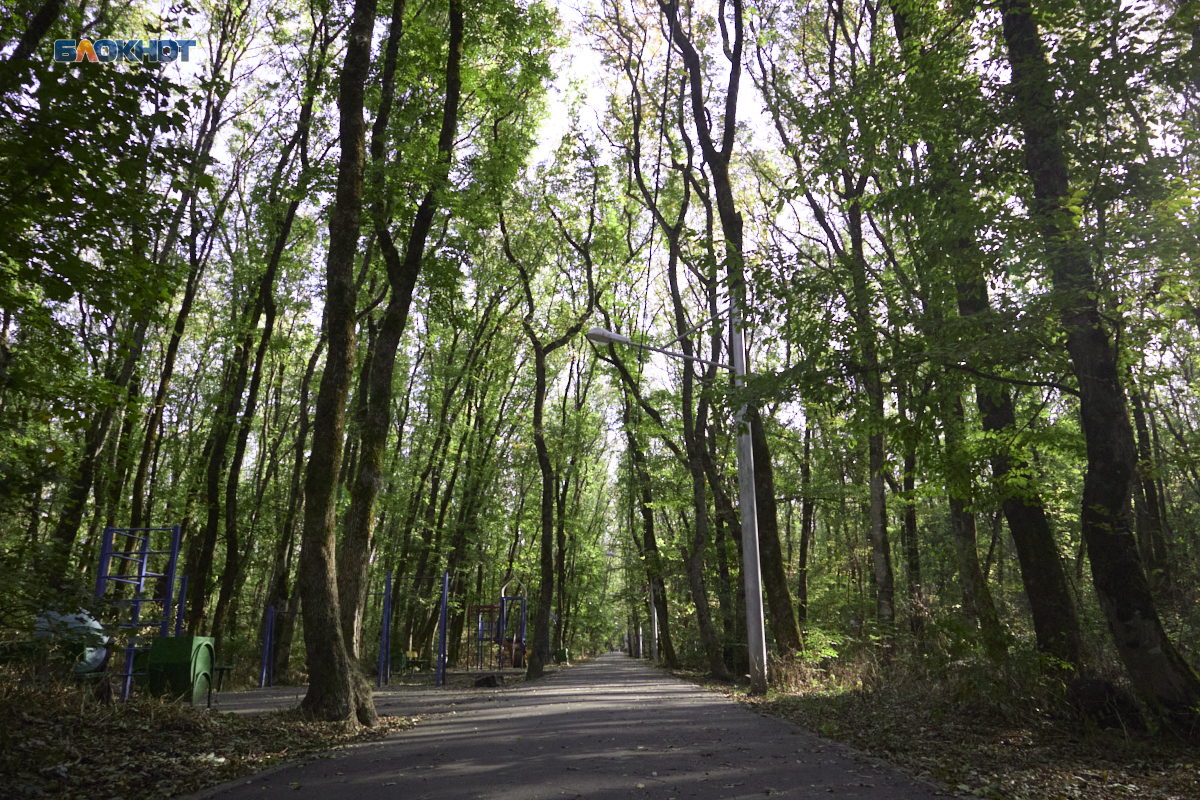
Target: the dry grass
pixel 979 730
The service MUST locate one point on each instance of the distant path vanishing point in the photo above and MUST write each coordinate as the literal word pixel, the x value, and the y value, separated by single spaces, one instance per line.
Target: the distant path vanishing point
pixel 609 728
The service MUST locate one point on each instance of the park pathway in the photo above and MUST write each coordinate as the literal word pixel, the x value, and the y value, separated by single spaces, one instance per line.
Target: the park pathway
pixel 610 728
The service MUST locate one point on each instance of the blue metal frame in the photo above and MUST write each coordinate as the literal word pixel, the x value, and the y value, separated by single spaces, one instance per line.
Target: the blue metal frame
pixel 140 554
pixel 440 677
pixel 266 665
pixel 385 635
pixel 502 625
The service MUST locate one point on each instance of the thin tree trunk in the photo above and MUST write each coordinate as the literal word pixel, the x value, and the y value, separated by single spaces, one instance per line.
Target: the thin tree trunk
pixel 649 548
pixel 779 598
pixel 807 509
pixel 977 597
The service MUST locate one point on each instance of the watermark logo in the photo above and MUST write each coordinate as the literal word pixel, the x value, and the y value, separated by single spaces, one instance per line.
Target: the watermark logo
pixel 106 51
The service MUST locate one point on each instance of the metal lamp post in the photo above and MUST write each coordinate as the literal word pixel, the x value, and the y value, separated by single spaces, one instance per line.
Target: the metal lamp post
pixel 751 572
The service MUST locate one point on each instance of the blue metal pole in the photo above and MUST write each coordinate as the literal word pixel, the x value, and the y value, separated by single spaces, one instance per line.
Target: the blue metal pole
pixel 524 630
pixel 385 634
pixel 182 605
pixel 165 628
pixel 501 626
pixel 145 560
pixel 266 653
pixel 440 678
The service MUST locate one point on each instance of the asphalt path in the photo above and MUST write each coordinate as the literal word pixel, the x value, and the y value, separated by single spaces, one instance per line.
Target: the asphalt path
pixel 609 728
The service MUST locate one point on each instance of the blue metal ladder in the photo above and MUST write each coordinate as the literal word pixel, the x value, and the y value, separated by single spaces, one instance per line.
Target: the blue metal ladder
pixel 138 554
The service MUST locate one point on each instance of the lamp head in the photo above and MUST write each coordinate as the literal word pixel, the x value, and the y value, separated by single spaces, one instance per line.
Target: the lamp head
pixel 600 336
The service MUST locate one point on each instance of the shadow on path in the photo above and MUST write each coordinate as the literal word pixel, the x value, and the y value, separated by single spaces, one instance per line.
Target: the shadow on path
pixel 610 728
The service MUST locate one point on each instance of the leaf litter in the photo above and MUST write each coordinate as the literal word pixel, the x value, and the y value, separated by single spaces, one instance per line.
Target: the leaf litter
pixel 973 749
pixel 58 742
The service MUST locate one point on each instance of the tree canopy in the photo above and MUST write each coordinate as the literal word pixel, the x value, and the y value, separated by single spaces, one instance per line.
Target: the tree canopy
pixel 318 296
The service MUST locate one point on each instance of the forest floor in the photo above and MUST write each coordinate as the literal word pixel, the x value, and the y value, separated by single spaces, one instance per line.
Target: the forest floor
pixel 57 741
pixel 985 749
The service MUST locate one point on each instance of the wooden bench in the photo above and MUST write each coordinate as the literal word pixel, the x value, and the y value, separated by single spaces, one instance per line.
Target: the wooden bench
pixel 414 663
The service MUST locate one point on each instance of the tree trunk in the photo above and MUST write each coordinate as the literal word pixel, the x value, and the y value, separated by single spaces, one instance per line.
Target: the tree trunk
pixel 38 27
pixel 403 272
pixel 807 509
pixel 977 598
pixel 1151 541
pixel 336 689
pixel 864 322
pixel 654 569
pixel 1158 671
pixel 779 599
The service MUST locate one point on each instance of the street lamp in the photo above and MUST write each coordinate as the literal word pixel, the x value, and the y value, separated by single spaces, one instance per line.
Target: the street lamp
pixel 751 572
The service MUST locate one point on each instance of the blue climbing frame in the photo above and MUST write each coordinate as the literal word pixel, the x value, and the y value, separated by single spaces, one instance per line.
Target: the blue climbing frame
pixel 385 635
pixel 266 666
pixel 138 554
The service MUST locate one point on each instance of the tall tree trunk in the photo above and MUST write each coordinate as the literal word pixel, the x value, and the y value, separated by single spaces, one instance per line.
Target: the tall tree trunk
pixel 868 346
pixel 403 272
pixel 1052 605
pixel 977 597
pixel 807 508
pixel 726 519
pixel 541 622
pixel 779 598
pixel 140 513
pixel 336 690
pixel 1158 671
pixel 54 564
pixel 649 548
pixel 39 26
pixel 1151 541
pixel 231 574
pixel 693 556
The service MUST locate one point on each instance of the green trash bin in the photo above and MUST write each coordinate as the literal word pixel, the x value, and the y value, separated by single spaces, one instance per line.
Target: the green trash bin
pixel 181 667
pixel 562 657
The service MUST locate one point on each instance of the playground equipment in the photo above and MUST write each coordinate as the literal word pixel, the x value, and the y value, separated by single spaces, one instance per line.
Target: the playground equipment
pixel 266 667
pixel 514 647
pixel 385 634
pixel 485 634
pixel 182 666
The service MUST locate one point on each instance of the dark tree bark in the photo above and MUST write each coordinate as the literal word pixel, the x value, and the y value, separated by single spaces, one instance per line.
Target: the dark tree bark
pixel 860 302
pixel 863 313
pixel 278 592
pixel 541 351
pixel 649 544
pixel 717 153
pixel 1055 621
pixel 977 597
pixel 807 509
pixel 39 26
pixel 1151 541
pixel 403 271
pixel 779 598
pixel 1044 578
pixel 140 513
pixel 336 690
pixel 1158 671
